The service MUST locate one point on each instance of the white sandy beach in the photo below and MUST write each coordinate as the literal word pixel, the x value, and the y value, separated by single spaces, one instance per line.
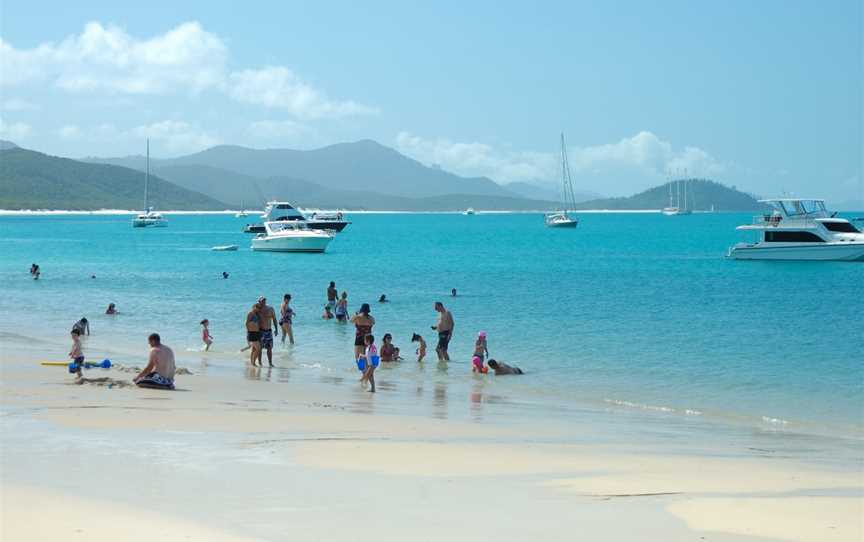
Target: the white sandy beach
pixel 250 459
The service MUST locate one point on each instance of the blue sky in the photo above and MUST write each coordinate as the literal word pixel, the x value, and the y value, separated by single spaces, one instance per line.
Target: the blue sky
pixel 762 95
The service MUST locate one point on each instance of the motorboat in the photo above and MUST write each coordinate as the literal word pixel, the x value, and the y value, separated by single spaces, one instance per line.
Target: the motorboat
pixel 562 218
pixel 149 218
pixel 291 236
pixel 225 248
pixel 279 211
pixel 800 229
pixel 675 207
pixel 469 211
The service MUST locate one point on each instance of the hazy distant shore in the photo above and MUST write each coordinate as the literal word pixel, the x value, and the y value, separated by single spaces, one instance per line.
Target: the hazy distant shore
pixel 47 212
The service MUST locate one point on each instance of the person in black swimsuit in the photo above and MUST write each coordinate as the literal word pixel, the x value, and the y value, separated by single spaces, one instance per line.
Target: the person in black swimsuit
pixel 444 327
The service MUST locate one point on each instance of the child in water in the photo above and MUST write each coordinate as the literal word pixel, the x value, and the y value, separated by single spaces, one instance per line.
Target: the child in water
pixel 421 348
pixel 76 353
pixel 477 365
pixel 205 334
pixel 371 357
pixel 481 350
pixel 328 315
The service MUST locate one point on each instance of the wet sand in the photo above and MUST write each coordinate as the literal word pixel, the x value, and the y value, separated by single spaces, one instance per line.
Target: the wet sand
pixel 242 456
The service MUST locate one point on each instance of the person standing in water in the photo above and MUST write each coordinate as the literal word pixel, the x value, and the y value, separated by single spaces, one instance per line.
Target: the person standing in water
pixel 444 327
pixel 371 357
pixel 363 322
pixel 342 308
pixel 421 346
pixel 75 353
pixel 332 294
pixel 253 334
pixel 286 319
pixel 481 348
pixel 206 338
pixel 268 326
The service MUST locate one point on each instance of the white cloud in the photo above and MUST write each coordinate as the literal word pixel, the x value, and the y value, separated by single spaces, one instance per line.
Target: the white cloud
pixel 15 130
pixel 278 87
pixel 69 131
pixel 15 104
pixel 273 129
pixel 644 152
pixel 106 58
pixel 177 136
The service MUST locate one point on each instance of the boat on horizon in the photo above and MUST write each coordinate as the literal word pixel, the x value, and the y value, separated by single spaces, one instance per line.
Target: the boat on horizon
pixel 469 211
pixel 675 208
pixel 562 218
pixel 149 218
pixel 283 211
pixel 800 229
pixel 291 236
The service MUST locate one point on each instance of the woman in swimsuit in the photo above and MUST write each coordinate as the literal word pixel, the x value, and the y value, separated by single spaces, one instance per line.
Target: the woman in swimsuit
pixel 388 351
pixel 342 308
pixel 286 319
pixel 363 322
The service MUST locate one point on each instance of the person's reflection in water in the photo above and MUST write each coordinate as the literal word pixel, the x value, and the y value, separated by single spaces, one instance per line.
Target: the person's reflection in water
pixel 476 398
pixel 439 401
pixel 253 372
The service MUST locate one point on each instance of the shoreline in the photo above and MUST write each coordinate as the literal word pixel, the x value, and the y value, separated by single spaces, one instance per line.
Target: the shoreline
pixel 296 453
pixel 125 212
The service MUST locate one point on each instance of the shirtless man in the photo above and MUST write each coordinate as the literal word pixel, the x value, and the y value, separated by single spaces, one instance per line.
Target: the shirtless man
pixel 253 333
pixel 445 331
pixel 332 294
pixel 269 326
pixel 160 367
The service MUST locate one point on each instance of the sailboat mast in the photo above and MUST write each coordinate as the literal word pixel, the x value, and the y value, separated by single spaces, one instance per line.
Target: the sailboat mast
pixel 147 180
pixel 569 197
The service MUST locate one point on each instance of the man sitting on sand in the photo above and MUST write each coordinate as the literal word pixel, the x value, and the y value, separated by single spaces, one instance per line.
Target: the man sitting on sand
pixel 160 368
pixel 502 368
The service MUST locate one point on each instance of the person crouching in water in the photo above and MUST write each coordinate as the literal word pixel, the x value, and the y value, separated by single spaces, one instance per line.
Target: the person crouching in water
pixel 477 365
pixel 502 368
pixel 421 348
pixel 388 351
pixel 75 353
pixel 371 357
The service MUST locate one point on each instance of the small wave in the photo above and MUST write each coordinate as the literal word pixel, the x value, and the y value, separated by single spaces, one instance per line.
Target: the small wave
pixel 774 421
pixel 653 408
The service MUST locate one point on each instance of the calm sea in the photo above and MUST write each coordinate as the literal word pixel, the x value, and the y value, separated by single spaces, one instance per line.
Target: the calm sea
pixel 627 311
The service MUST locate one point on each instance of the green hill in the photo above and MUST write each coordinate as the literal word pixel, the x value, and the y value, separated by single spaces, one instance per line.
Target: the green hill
pixel 702 195
pixel 32 180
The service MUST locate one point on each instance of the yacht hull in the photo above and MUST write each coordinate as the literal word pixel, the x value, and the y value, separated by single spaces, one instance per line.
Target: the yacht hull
pixel 305 244
pixel 148 223
pixel 840 252
pixel 563 224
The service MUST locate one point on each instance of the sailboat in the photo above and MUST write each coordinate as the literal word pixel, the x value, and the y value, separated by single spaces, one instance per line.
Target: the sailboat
pixel 149 218
pixel 675 207
pixel 242 212
pixel 563 217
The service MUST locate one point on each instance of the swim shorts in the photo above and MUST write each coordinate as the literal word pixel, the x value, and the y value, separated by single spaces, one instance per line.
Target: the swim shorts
pixel 444 339
pixel 253 336
pixel 266 338
pixel 155 380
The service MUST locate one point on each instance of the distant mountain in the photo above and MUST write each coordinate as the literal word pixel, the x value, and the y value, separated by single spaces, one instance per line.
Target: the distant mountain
pixel 32 180
pixel 362 165
pixel 546 192
pixel 702 195
pixel 6 145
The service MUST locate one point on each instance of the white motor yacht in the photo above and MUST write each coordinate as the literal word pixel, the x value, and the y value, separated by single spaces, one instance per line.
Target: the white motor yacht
pixel 800 229
pixel 279 211
pixel 149 218
pixel 291 236
pixel 562 218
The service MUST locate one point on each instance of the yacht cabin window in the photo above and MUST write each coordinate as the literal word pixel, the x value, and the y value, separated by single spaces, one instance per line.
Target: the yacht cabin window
pixel 840 227
pixel 792 237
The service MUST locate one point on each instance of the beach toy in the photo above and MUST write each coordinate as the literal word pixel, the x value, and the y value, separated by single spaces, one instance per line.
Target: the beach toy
pixel 56 363
pixel 104 364
pixel 361 364
pixel 375 361
pixel 73 367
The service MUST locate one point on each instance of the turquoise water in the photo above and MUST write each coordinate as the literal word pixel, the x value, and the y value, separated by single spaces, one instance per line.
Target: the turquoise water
pixel 628 311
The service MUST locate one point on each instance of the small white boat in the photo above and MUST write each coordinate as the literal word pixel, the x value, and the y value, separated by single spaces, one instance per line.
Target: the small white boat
pixel 149 218
pixel 469 211
pixel 241 214
pixel 800 229
pixel 288 236
pixel 225 248
pixel 562 217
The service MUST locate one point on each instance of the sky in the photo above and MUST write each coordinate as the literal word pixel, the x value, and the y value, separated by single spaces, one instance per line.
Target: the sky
pixel 765 96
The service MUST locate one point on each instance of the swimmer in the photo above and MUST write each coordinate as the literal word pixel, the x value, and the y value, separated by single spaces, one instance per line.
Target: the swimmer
pixel 224 274
pixel 502 368
pixel 421 348
pixel 342 308
pixel 327 315
pixel 453 292
pixel 205 334
pixel 112 309
pixel 83 327
pixel 383 299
